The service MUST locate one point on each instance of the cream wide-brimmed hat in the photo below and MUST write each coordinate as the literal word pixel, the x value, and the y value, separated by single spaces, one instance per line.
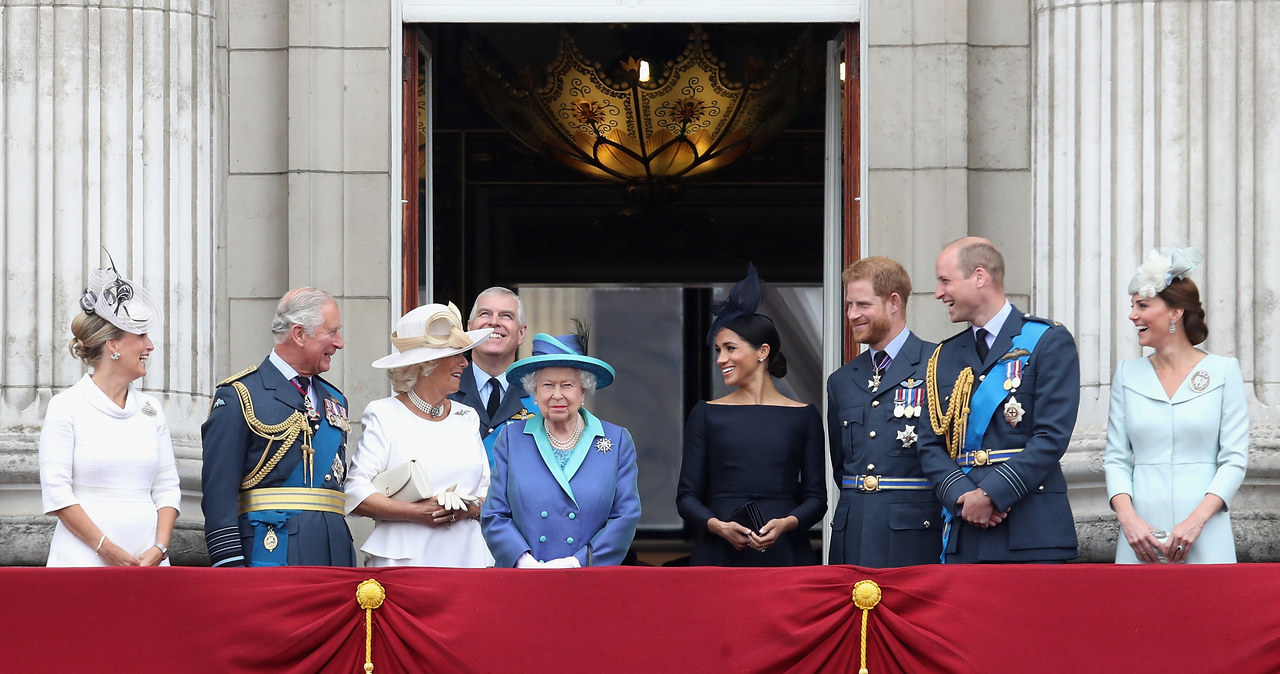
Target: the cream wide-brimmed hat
pixel 429 332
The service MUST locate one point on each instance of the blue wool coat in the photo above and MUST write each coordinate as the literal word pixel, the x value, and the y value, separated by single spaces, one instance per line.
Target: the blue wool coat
pixel 535 507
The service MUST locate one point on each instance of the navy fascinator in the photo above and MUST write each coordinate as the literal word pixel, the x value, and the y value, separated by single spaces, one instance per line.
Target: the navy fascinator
pixel 743 299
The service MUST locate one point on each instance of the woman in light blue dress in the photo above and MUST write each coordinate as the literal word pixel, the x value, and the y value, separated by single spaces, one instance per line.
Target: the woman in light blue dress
pixel 1178 430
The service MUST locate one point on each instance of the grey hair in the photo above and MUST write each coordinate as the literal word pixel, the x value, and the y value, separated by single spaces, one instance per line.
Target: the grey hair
pixel 585 377
pixel 403 378
pixel 300 306
pixel 498 290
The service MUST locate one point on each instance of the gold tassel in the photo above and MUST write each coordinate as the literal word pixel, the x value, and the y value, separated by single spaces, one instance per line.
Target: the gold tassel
pixel 866 595
pixel 369 595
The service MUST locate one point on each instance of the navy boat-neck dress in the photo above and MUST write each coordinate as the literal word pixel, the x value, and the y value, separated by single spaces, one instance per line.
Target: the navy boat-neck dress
pixel 769 454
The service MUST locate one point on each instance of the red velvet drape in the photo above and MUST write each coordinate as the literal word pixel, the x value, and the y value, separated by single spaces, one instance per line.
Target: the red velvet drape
pixel 931 619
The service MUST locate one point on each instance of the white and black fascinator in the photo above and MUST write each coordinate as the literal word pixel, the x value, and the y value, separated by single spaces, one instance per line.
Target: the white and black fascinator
pixel 743 299
pixel 120 302
pixel 1161 267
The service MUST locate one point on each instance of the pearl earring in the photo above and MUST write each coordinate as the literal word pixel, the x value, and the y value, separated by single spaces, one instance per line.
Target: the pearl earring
pixel 1173 327
pixel 759 360
pixel 115 356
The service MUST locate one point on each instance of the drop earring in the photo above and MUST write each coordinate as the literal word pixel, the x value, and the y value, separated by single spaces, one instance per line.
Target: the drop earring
pixel 115 356
pixel 1173 327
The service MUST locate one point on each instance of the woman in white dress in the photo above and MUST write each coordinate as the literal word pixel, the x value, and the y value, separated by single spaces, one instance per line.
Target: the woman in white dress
pixel 106 461
pixel 1178 430
pixel 421 424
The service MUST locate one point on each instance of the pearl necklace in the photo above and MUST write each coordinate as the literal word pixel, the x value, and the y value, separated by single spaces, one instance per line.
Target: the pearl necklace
pixel 564 445
pixel 436 411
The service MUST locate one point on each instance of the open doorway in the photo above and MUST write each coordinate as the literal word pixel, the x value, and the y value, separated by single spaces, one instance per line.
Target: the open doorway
pixel 491 210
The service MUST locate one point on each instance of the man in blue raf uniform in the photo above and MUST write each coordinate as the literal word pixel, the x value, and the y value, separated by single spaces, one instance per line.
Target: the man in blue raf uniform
pixel 996 469
pixel 887 514
pixel 484 385
pixel 275 449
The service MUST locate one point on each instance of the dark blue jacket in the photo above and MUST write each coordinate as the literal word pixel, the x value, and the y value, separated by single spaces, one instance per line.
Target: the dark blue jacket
pixel 890 527
pixel 1040 526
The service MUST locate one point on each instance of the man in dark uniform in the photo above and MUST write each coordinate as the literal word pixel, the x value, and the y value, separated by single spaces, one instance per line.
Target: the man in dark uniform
pixel 887 514
pixel 484 386
pixel 275 449
pixel 996 469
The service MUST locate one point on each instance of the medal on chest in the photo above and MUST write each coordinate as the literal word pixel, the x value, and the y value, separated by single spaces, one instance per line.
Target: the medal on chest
pixel 908 401
pixel 1013 410
pixel 336 415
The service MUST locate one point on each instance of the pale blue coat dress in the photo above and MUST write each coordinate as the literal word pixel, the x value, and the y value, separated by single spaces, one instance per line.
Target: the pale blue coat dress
pixel 1167 453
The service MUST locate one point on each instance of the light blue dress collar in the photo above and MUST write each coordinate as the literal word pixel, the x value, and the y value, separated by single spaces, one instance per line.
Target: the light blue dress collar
pixel 592 429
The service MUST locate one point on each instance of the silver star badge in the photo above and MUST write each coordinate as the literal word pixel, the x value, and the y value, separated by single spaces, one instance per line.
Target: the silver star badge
pixel 604 445
pixel 908 436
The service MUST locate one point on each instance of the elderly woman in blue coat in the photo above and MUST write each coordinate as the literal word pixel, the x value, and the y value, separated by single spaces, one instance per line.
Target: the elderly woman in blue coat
pixel 563 492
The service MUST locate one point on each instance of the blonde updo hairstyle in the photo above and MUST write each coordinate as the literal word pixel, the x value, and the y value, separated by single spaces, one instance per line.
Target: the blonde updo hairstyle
pixel 91 333
pixel 403 378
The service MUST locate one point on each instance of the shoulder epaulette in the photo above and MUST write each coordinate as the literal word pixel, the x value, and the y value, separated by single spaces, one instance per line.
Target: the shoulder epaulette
pixel 1040 319
pixel 238 375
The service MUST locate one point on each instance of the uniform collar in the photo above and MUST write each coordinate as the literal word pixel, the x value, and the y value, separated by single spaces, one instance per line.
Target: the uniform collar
pixel 482 378
pixel 284 368
pixel 996 323
pixel 894 345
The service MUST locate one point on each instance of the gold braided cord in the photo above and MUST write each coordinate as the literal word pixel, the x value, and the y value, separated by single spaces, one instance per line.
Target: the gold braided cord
pixel 866 596
pixel 952 425
pixel 369 595
pixel 285 432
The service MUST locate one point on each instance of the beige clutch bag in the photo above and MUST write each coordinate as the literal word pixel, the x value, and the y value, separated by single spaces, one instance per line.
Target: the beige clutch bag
pixel 406 482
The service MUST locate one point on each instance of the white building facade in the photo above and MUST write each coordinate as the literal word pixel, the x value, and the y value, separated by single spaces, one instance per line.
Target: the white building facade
pixel 225 151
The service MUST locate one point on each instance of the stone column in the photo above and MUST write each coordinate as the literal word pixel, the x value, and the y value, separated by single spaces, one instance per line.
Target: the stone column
pixel 1155 123
pixel 108 116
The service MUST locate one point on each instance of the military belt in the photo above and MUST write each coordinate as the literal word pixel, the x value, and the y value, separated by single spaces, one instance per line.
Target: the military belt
pixel 292 498
pixel 881 483
pixel 985 457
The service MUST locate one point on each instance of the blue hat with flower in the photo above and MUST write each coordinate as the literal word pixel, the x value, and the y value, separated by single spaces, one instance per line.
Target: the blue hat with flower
pixel 561 351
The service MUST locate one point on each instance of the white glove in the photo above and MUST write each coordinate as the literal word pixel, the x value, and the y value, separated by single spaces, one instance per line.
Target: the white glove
pixel 451 499
pixel 562 563
pixel 527 561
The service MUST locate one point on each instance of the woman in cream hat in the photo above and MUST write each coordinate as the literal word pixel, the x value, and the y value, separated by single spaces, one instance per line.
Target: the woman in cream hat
pixel 106 460
pixel 420 471
pixel 564 481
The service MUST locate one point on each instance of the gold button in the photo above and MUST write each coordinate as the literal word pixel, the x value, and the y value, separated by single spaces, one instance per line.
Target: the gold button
pixel 875 403
pixel 872 434
pixel 982 377
pixel 871 466
pixel 926 524
pixel 1041 488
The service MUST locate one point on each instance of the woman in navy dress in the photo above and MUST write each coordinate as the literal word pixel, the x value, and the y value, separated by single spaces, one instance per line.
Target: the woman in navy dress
pixel 753 445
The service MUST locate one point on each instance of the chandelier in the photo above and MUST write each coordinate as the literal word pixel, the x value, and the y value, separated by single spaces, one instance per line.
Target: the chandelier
pixel 618 122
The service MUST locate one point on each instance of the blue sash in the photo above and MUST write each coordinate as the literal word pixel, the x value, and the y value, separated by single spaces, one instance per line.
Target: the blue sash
pixel 983 403
pixel 529 406
pixel 982 407
pixel 325 442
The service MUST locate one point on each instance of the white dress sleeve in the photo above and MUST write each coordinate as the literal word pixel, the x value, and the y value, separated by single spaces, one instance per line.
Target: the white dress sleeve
pixel 165 490
pixel 57 451
pixel 370 458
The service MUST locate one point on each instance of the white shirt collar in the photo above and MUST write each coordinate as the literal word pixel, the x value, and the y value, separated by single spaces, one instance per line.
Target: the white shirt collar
pixel 894 345
pixel 284 368
pixel 996 323
pixel 482 380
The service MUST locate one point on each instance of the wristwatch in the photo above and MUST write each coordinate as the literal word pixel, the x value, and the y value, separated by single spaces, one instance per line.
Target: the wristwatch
pixel 164 551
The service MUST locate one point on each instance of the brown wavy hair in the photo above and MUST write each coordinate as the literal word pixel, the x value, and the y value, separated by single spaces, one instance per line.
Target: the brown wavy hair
pixel 1183 294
